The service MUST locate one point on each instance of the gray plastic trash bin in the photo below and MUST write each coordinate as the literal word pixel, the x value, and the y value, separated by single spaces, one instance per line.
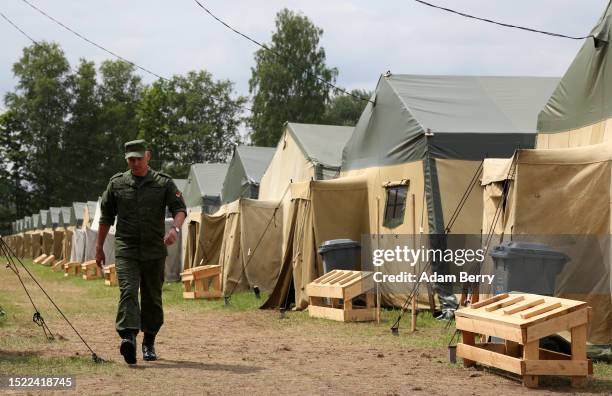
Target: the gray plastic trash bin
pixel 526 267
pixel 342 254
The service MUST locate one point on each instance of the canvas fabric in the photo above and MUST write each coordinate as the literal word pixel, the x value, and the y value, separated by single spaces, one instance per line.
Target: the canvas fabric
pixel 563 192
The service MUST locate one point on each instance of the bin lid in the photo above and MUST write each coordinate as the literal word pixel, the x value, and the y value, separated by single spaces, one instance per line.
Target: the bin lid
pixel 517 249
pixel 337 244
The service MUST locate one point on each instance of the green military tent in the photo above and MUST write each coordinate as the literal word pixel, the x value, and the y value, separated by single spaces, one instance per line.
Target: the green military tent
pixel 204 185
pixel 244 173
pixel 180 184
pixel 36 223
pixel 78 213
pixel 579 112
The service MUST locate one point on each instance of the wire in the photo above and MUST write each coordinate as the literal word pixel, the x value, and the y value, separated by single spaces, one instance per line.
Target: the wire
pixel 90 42
pixel 18 28
pixel 265 47
pixel 94 43
pixel 502 23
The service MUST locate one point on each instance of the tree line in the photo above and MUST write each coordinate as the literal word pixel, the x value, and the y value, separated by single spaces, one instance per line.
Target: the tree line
pixel 62 133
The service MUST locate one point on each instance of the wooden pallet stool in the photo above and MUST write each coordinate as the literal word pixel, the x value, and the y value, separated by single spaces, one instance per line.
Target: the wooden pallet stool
pixel 332 296
pixel 522 320
pixel 202 282
pixel 59 265
pixel 39 259
pixel 49 261
pixel 72 268
pixel 110 275
pixel 90 270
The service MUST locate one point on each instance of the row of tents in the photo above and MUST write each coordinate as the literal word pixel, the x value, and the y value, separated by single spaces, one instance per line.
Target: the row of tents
pixel 539 147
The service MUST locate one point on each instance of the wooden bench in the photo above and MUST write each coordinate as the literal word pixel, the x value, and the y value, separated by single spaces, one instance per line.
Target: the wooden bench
pixel 522 320
pixel 202 282
pixel 59 265
pixel 49 261
pixel 90 270
pixel 110 275
pixel 332 296
pixel 72 268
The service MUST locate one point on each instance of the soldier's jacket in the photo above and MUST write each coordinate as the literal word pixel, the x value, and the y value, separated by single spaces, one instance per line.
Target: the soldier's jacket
pixel 140 208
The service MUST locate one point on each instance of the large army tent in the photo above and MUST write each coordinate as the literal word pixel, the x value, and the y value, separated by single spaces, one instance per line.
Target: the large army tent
pixel 56 230
pixel 250 253
pixel 560 197
pixel 55 217
pixel 36 236
pixel 173 264
pixel 44 219
pixel 78 213
pixel 579 111
pixel 244 173
pixel 315 217
pixel 46 232
pixel 27 221
pixel 91 235
pixel 180 184
pixel 204 185
pixel 77 246
pixel 90 212
pixel 304 152
pixel 203 237
pixel 68 221
pixel 421 140
pixel 66 217
pixel 36 221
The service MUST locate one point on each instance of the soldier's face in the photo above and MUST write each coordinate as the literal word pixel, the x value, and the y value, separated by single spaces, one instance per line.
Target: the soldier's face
pixel 139 165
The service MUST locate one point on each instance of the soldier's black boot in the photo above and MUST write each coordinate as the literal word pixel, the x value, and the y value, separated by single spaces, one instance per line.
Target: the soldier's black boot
pixel 128 347
pixel 148 347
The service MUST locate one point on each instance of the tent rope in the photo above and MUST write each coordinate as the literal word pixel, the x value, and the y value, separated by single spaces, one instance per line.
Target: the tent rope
pixel 243 272
pixel 11 257
pixel 447 230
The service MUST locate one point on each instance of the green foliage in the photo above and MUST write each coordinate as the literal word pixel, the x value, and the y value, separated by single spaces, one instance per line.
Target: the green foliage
pixel 285 81
pixel 346 109
pixel 62 135
pixel 192 108
pixel 38 108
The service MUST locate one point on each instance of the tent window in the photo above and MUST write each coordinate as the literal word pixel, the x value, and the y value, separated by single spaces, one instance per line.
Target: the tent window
pixel 396 205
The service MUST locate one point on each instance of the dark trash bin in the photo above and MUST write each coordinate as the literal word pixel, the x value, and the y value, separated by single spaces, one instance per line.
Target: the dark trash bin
pixel 341 254
pixel 526 267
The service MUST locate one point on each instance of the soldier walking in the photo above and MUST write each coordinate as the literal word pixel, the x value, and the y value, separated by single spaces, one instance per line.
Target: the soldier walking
pixel 138 199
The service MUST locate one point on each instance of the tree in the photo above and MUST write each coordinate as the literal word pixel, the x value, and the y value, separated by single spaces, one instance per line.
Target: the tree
pixel 346 109
pixel 83 146
pixel 286 80
pixel 38 108
pixel 190 119
pixel 120 93
pixel 12 172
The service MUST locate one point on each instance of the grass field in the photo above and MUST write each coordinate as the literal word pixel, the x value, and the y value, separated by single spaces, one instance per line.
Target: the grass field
pixel 91 307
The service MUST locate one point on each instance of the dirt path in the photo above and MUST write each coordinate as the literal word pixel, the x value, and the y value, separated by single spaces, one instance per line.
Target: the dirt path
pixel 217 351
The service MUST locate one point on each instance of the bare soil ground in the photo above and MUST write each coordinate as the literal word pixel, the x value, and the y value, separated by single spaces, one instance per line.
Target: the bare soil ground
pixel 207 348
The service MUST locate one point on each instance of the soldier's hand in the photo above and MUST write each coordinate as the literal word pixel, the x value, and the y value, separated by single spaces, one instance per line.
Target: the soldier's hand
pixel 170 237
pixel 100 257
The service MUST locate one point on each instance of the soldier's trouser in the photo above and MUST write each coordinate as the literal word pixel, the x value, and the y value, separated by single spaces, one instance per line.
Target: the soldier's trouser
pixel 148 275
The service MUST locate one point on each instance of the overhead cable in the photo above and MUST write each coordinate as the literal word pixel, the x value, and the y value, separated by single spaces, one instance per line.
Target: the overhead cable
pixel 94 43
pixel 276 53
pixel 502 23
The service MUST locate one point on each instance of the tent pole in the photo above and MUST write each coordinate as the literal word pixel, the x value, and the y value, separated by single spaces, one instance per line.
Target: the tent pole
pixel 377 247
pixel 413 315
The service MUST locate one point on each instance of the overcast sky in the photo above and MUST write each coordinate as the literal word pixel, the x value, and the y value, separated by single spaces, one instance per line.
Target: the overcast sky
pixel 362 38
